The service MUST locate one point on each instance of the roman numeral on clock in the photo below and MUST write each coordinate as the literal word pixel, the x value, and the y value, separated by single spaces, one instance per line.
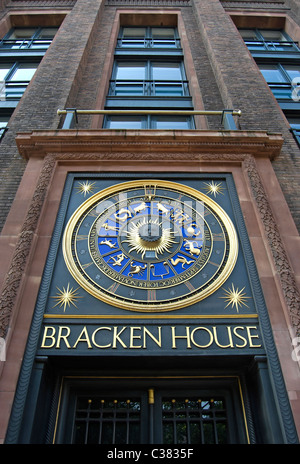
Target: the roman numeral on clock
pixel 114 287
pixel 151 295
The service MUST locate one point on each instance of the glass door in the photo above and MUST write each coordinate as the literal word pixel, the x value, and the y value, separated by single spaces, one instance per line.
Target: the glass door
pixel 159 414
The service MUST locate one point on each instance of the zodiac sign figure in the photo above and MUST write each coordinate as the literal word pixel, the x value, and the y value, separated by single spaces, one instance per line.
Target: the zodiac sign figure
pixel 136 269
pixel 189 245
pixel 162 208
pixel 140 208
pixel 106 226
pixel 123 214
pixel 165 264
pixel 180 216
pixel 182 260
pixel 191 230
pixel 108 243
pixel 117 260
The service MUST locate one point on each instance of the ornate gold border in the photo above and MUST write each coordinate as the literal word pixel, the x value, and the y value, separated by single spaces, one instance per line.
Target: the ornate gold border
pixel 168 306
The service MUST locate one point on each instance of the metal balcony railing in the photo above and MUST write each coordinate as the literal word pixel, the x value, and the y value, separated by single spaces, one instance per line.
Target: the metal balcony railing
pixel 122 87
pixel 24 44
pixel 272 45
pixel 148 42
pixel 282 90
pixel 13 90
pixel 71 115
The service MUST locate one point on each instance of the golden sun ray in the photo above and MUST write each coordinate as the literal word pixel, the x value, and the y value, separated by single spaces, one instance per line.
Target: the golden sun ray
pixel 214 189
pixel 141 245
pixel 66 297
pixel 235 297
pixel 85 187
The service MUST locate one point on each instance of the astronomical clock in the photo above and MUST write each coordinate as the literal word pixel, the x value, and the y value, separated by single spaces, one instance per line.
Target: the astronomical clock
pixel 141 245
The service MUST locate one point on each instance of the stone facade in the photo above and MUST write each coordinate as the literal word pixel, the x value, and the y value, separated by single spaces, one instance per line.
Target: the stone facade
pixel 36 154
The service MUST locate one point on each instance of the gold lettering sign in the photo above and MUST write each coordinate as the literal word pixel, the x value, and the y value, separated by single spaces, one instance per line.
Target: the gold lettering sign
pixel 223 337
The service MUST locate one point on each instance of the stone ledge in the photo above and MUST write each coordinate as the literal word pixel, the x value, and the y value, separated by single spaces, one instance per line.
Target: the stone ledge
pixel 112 142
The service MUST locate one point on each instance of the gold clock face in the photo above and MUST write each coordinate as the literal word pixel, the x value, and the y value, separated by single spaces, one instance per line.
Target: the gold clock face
pixel 150 246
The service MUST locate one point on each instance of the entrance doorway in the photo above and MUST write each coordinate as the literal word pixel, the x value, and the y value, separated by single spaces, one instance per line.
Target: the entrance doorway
pixel 144 411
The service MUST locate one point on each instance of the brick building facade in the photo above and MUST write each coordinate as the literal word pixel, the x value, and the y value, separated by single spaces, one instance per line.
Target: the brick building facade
pixel 238 56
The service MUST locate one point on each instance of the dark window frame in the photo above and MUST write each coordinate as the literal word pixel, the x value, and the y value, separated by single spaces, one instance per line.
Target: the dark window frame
pixel 148 41
pixel 151 121
pixel 148 85
pixel 270 45
pixel 25 43
pixel 148 93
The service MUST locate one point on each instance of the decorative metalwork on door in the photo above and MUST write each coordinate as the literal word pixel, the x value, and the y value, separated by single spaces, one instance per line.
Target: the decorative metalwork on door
pixel 108 420
pixel 194 420
pixel 180 420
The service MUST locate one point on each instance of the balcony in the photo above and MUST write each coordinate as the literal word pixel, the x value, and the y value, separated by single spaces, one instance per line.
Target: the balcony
pixel 71 115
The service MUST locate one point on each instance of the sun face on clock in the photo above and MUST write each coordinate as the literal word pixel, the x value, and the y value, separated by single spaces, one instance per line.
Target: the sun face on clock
pixel 148 248
pixel 148 235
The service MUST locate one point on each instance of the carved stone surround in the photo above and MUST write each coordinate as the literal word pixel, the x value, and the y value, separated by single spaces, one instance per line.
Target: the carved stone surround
pixel 194 147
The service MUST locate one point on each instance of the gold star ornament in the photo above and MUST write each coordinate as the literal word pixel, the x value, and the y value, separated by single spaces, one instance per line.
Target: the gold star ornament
pixel 66 297
pixel 235 297
pixel 85 187
pixel 214 189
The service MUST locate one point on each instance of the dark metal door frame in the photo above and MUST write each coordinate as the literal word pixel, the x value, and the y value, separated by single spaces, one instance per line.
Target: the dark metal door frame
pixel 186 405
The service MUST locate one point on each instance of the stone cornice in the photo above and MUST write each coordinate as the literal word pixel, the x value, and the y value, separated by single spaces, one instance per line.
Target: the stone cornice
pixel 149 144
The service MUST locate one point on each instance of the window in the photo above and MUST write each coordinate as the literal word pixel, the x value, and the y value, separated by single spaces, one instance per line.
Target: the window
pixel 148 37
pixel 295 127
pixel 15 77
pixel 280 78
pixel 148 73
pixel 21 50
pixel 278 59
pixel 22 38
pixel 3 124
pixel 117 420
pixel 148 78
pixel 268 39
pixel 149 122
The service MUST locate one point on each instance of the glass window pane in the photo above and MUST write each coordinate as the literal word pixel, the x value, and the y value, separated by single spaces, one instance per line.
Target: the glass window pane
pixel 294 123
pixel 3 121
pixel 281 92
pixel 93 432
pixel 166 71
pixel 47 32
pixel 272 73
pixel 138 32
pixel 168 435
pixel 172 123
pixel 248 34
pixel 4 68
pixel 24 72
pixel 125 122
pixel 127 89
pixel 131 71
pixel 80 431
pixel 293 72
pixel 270 34
pixel 208 432
pixel 162 33
pixel 22 33
pixel 181 433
